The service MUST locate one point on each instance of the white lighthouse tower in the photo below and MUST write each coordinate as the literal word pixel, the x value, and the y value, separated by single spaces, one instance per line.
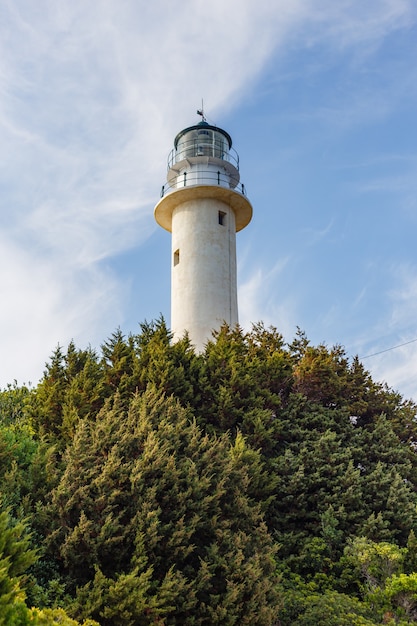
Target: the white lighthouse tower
pixel 203 204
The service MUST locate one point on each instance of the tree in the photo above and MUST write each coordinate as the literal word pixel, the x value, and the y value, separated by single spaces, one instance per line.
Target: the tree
pixel 149 506
pixel 13 403
pixel 171 367
pixel 155 522
pixel 385 586
pixel 243 382
pixel 331 608
pixel 321 375
pixel 15 558
pixel 319 479
pixel 53 617
pixel 71 388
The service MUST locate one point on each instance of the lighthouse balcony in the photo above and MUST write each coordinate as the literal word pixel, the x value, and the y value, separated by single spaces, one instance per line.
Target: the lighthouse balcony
pixel 201 175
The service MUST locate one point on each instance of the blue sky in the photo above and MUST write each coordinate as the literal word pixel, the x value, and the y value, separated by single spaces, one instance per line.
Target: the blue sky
pixel 320 98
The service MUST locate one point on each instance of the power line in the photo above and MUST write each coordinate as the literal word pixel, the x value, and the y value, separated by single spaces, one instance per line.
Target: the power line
pixel 368 356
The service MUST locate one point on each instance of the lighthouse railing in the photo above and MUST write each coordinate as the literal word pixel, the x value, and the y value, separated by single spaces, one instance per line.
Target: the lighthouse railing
pixel 209 177
pixel 199 148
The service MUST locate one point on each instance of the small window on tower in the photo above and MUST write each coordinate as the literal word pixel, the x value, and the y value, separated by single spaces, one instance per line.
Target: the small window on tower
pixel 176 257
pixel 222 218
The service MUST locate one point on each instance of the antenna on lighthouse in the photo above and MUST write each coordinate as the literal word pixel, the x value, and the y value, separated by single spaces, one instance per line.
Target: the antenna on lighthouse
pixel 201 111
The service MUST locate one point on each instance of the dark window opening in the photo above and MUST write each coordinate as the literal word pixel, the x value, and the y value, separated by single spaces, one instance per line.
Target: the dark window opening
pixel 222 218
pixel 176 257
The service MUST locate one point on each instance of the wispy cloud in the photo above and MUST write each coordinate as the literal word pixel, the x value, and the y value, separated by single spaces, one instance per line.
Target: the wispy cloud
pixel 91 94
pixel 260 299
pixel 90 97
pixel 347 23
pixel 42 307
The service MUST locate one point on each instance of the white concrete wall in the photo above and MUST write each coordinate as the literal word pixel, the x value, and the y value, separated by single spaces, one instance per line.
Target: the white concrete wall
pixel 204 290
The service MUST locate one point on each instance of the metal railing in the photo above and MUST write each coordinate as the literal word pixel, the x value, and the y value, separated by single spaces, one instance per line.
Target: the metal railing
pixel 208 177
pixel 200 148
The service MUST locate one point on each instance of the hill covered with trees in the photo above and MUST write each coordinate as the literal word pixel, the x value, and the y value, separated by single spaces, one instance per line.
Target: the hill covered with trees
pixel 259 483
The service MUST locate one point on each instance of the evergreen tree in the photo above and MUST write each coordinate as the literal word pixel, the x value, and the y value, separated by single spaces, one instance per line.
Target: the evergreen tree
pixel 13 404
pixel 72 387
pixel 146 512
pixel 154 521
pixel 15 558
pixel 171 367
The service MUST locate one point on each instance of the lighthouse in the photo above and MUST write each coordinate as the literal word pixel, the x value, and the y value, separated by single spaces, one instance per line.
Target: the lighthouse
pixel 203 204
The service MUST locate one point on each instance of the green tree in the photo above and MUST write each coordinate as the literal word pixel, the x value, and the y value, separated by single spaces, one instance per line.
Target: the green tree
pixel 172 367
pixel 319 479
pixel 385 586
pixel 13 404
pixel 16 556
pixel 72 387
pixel 53 617
pixel 118 363
pixel 244 380
pixel 304 608
pixel 321 375
pixel 155 521
pixel 138 530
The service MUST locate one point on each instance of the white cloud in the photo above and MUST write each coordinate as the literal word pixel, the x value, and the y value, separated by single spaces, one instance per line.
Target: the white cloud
pixel 42 307
pixel 91 94
pixel 259 299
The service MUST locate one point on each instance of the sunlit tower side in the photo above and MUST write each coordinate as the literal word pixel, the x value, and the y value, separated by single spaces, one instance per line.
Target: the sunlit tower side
pixel 203 204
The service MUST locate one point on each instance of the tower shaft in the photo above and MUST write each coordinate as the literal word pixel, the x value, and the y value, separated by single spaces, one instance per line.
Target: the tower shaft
pixel 203 276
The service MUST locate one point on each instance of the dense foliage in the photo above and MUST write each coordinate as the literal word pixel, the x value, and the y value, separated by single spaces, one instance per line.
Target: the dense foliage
pixel 258 483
